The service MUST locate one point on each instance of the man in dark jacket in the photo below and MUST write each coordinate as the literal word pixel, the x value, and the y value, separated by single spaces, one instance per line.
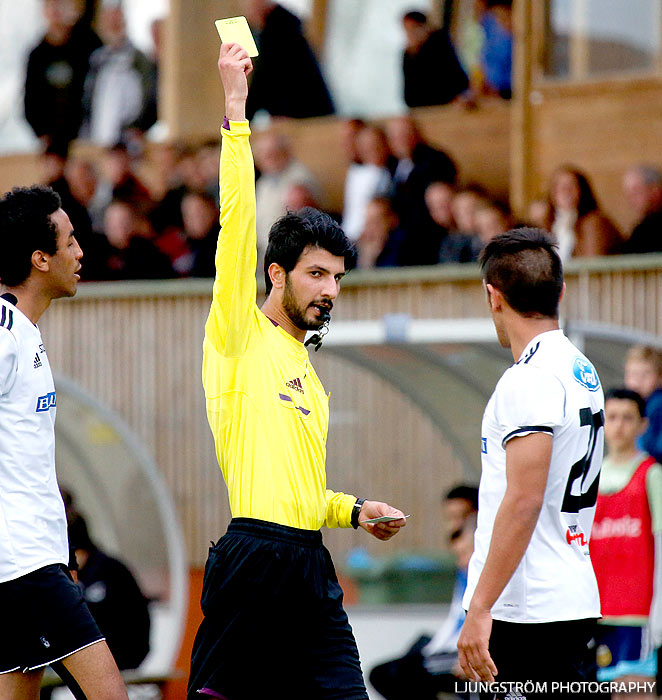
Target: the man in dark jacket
pixel 287 80
pixel 642 186
pixel 419 164
pixel 432 72
pixel 113 597
pixel 56 72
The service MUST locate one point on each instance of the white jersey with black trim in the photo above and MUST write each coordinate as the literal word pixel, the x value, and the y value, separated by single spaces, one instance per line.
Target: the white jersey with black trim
pixel 553 389
pixel 33 526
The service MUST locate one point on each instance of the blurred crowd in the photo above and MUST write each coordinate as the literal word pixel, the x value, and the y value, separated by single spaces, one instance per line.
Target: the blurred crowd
pixel 96 86
pixel 130 227
pixel 150 210
pixel 404 204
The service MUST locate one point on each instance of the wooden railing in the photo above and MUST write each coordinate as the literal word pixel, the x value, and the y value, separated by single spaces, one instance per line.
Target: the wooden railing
pixel 137 347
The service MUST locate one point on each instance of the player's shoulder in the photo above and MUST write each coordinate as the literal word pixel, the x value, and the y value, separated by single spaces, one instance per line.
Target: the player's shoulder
pixel 532 379
pixel 8 315
pixel 558 356
pixel 8 339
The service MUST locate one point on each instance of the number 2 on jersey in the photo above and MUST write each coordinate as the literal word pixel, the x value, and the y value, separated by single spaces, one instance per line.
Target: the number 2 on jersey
pixel 587 495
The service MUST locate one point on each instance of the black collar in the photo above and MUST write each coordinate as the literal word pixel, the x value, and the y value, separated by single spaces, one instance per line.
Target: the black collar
pixel 10 298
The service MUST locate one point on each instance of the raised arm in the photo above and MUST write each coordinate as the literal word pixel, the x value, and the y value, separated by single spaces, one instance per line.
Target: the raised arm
pixel 234 293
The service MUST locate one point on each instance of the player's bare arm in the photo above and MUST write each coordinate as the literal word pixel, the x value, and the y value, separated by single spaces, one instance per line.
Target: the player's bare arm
pixel 527 467
pixel 376 509
pixel 234 66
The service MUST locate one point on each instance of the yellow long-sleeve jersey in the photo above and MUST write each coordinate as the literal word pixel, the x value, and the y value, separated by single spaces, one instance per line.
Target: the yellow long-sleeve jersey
pixel 266 406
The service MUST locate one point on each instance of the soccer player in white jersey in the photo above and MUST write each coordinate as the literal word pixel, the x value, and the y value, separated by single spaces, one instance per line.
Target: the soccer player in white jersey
pixel 532 597
pixel 45 620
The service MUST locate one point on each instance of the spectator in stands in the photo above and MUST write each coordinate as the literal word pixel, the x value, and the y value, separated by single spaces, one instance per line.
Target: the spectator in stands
pixel 431 666
pixel 112 595
pixel 453 244
pixel 299 196
pixel 129 252
pixel 419 164
pixel 349 131
pixel 580 228
pixel 165 174
pixel 626 547
pixel 120 89
pixel 459 504
pixel 643 374
pixel 54 163
pixel 643 190
pixel 438 200
pixel 191 248
pixel 207 156
pixel 492 219
pixel 432 72
pixel 279 171
pixel 157 34
pixel 56 72
pixel 82 178
pixel 120 182
pixel 277 88
pixel 380 244
pixel 365 180
pixel 470 39
pixel 497 50
pixel 464 206
pixel 537 215
pixel 200 218
pixel 179 172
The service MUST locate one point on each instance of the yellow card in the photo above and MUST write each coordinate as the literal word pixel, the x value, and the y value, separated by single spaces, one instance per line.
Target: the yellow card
pixel 236 30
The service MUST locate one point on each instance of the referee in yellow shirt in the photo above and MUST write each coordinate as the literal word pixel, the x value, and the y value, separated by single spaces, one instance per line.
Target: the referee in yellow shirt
pixel 274 625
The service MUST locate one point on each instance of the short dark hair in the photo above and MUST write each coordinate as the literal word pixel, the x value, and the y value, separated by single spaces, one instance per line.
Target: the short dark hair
pixel 26 226
pixel 524 266
pixel 293 233
pixel 465 492
pixel 627 395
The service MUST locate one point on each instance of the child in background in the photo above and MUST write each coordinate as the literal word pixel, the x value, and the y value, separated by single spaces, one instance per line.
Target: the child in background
pixel 626 546
pixel 643 374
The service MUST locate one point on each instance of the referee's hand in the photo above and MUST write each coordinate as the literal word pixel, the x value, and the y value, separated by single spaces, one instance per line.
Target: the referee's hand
pixel 234 66
pixel 375 509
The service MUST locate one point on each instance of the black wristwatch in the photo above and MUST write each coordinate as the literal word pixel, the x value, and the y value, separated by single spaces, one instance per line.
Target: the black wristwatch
pixel 355 512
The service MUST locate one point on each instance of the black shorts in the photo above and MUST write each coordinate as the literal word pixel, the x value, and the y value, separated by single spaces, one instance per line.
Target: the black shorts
pixel 545 654
pixel 274 625
pixel 44 618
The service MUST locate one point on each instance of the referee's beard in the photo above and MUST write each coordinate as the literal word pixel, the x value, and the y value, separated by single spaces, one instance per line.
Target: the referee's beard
pixel 305 317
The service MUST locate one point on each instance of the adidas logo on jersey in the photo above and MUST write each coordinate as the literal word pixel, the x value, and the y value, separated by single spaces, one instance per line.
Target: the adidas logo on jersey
pixel 295 384
pixel 37 361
